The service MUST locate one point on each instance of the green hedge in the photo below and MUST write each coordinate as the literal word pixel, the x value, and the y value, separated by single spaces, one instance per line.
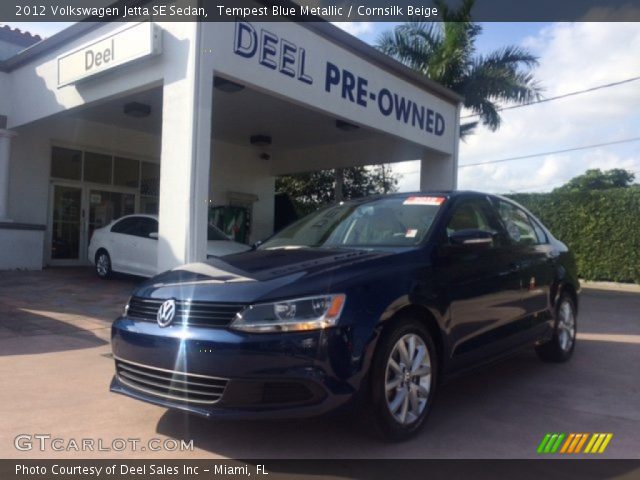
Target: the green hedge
pixel 602 227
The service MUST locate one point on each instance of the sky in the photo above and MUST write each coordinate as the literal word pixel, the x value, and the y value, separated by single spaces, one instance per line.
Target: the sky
pixel 572 56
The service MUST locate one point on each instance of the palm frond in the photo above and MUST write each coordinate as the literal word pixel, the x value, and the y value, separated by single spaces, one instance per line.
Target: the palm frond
pixel 445 52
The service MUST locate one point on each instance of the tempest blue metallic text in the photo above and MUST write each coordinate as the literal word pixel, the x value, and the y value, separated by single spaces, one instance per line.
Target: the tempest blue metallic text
pixel 369 302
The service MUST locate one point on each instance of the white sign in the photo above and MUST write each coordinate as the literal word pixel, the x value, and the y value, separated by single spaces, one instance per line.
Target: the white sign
pixel 133 43
pixel 290 60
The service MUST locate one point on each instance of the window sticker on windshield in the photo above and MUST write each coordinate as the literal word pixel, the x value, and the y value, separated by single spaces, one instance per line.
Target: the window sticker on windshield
pixel 424 201
pixel 411 233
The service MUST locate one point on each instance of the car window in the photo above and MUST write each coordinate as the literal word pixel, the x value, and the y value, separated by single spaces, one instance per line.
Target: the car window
pixel 137 226
pixel 517 223
pixel 474 214
pixel 125 226
pixel 540 233
pixel 388 221
pixel 146 226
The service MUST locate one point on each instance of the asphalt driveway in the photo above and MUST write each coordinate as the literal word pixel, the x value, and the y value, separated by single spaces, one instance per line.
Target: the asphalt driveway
pixel 55 370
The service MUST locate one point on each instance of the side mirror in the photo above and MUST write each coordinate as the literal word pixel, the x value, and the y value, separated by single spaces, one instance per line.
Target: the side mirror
pixel 471 238
pixel 255 245
pixel 153 235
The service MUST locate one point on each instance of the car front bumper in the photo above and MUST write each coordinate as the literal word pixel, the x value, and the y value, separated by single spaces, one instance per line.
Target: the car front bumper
pixel 228 374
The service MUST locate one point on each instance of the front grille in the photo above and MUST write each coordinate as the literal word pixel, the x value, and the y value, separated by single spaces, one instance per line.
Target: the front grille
pixel 172 385
pixel 199 314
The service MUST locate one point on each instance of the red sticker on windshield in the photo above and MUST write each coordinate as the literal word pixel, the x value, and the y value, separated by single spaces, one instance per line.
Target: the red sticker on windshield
pixel 424 201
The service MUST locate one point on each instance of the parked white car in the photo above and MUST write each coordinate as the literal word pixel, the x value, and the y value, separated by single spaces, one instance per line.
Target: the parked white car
pixel 130 245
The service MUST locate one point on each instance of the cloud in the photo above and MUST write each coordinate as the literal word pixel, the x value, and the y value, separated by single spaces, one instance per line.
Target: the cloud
pixel 573 56
pixel 355 28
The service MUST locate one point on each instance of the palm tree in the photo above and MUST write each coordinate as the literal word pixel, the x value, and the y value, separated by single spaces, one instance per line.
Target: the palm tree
pixel 445 52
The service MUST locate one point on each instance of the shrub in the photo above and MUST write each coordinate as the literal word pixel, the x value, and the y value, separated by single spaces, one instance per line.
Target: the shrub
pixel 602 228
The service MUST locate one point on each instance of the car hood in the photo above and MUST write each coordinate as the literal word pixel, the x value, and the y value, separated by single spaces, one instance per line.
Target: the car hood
pixel 220 248
pixel 260 275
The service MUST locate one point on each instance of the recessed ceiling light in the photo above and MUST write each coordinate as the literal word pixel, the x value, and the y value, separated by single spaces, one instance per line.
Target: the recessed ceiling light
pixel 260 140
pixel 346 126
pixel 137 110
pixel 227 85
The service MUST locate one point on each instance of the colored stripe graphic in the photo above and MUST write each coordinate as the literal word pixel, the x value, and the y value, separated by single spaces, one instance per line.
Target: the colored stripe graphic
pixel 583 439
pixel 543 443
pixel 556 445
pixel 573 443
pixel 567 442
pixel 598 443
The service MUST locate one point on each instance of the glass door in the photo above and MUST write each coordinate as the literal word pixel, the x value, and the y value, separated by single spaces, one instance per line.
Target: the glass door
pixel 105 206
pixel 66 226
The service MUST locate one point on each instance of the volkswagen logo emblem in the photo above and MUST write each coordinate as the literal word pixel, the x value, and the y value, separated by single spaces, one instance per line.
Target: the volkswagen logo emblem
pixel 166 313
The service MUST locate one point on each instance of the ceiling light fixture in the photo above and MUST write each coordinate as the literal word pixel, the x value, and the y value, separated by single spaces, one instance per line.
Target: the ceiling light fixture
pixel 346 126
pixel 137 110
pixel 260 140
pixel 227 86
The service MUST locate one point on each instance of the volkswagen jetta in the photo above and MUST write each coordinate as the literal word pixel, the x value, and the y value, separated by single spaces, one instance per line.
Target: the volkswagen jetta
pixel 371 302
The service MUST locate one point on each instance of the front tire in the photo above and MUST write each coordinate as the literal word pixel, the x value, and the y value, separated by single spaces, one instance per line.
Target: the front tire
pixel 560 348
pixel 103 264
pixel 403 381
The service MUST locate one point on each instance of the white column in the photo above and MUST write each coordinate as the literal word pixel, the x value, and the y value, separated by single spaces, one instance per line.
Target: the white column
pixel 437 172
pixel 185 155
pixel 5 156
pixel 440 171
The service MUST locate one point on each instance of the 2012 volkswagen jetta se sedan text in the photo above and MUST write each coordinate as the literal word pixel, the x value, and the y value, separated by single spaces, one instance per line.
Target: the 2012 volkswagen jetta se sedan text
pixel 370 302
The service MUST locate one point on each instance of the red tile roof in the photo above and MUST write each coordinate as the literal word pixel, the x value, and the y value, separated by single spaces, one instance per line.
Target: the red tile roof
pixel 18 37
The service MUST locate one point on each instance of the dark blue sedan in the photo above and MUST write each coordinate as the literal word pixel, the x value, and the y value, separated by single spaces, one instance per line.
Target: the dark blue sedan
pixel 370 302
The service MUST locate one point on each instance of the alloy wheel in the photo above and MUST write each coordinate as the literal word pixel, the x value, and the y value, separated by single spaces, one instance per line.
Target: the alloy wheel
pixel 566 326
pixel 408 379
pixel 102 265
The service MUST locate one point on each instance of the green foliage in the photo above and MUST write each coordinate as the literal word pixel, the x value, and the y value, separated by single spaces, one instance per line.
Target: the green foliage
pixel 602 228
pixel 596 179
pixel 309 191
pixel 445 52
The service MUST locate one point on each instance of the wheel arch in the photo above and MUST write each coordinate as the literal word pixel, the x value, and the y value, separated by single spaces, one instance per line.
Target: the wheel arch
pixel 429 319
pixel 98 251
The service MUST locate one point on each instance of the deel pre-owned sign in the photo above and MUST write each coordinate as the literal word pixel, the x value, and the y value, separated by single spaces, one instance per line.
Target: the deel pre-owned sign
pixel 323 75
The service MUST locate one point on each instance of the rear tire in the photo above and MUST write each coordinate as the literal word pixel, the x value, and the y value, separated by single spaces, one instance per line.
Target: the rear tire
pixel 403 381
pixel 103 264
pixel 560 348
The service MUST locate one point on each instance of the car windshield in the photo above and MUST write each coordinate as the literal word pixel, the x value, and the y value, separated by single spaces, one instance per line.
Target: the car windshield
pixel 383 222
pixel 214 233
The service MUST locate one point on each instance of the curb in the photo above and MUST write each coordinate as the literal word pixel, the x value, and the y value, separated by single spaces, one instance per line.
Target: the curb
pixel 610 286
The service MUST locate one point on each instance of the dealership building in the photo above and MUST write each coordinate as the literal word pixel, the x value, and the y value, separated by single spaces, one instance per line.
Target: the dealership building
pixel 194 122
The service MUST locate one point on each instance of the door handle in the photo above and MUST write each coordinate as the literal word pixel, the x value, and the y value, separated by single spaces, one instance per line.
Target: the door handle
pixel 514 267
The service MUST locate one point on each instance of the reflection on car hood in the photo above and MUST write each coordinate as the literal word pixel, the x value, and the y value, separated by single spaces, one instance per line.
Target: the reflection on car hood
pixel 220 248
pixel 247 277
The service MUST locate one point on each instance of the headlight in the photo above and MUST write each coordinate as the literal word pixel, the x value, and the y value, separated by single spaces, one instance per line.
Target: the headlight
pixel 309 313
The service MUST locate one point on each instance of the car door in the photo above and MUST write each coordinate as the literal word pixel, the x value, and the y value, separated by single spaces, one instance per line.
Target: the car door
pixel 119 244
pixel 535 258
pixel 481 283
pixel 145 246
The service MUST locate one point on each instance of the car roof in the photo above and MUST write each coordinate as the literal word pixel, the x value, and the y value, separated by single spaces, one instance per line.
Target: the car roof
pixel 144 215
pixel 428 193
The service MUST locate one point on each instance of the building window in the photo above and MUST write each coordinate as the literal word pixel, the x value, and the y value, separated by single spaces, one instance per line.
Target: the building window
pixel 150 181
pixel 66 163
pixel 126 172
pixel 97 168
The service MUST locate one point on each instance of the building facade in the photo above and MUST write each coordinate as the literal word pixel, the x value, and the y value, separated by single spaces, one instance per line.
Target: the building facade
pixel 194 121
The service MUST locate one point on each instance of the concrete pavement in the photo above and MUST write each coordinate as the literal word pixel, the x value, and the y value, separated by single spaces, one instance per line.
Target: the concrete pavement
pixel 55 371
